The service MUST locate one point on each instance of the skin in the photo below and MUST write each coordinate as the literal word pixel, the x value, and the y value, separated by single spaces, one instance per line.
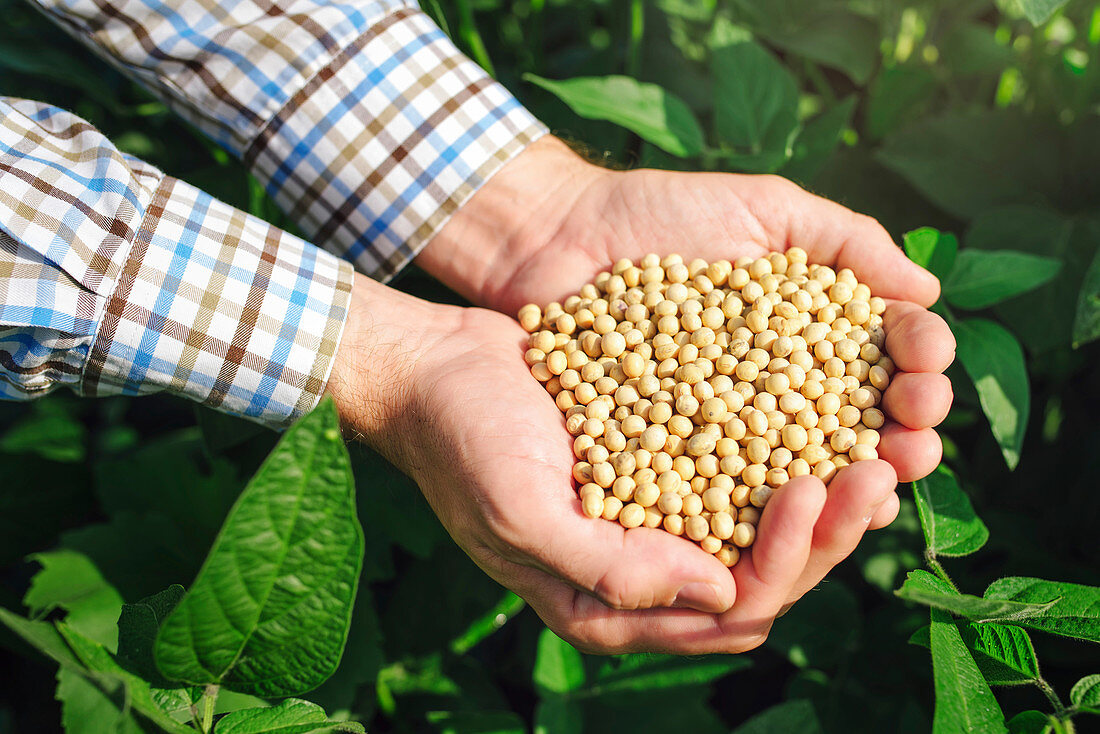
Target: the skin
pixel 444 393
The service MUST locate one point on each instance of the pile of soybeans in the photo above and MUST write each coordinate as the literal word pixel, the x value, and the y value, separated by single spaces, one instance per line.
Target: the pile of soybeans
pixel 694 390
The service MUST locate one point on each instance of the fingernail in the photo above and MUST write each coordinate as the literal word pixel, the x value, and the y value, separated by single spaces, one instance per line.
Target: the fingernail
pixel 700 596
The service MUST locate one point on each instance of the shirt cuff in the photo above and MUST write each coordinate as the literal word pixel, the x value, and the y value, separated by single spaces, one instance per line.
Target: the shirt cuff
pixel 380 147
pixel 222 307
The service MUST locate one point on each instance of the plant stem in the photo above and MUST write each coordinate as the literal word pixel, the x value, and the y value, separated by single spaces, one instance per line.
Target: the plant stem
pixel 209 697
pixel 1052 696
pixel 930 559
pixel 509 606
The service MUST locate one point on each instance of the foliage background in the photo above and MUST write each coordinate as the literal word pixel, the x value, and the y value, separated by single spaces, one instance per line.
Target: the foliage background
pixel 960 114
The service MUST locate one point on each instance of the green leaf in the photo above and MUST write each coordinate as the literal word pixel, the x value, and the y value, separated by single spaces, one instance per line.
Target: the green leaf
pixel 923 581
pixel 768 161
pixel 792 716
pixel 1003 653
pixel 88 709
pixel 49 433
pixel 70 581
pixel 798 636
pixel 42 636
pixel 137 632
pixel 292 716
pixel 1039 11
pixel 964 701
pixel 1070 610
pixel 968 162
pixel 1086 322
pixel 994 361
pixel 817 141
pixel 1073 609
pixel 1030 722
pixel 644 672
pixel 755 100
pixel 269 611
pixel 643 711
pixel 933 250
pixel 983 278
pixel 157 705
pixel 654 114
pixel 951 528
pixel 972 48
pixel 924 588
pixel 825 33
pixel 1043 318
pixel 842 40
pixel 557 715
pixel 361 661
pixel 423 675
pixel 897 95
pixel 1086 693
pixel 558 666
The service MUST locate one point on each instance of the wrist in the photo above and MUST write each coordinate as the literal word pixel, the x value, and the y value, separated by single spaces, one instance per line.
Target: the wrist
pixel 511 217
pixel 386 335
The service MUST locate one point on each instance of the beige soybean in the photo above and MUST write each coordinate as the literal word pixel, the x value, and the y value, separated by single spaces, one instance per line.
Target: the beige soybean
pixel 694 389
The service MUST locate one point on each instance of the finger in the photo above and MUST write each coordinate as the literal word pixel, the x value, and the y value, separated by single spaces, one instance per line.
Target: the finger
pixel 886 513
pixel 918 400
pixel 638 568
pixel 912 453
pixel 831 233
pixel 855 495
pixel 593 627
pixel 785 533
pixel 767 572
pixel 917 340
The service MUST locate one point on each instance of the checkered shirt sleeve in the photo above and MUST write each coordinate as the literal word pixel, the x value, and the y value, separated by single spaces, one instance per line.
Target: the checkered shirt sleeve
pixel 365 123
pixel 117 279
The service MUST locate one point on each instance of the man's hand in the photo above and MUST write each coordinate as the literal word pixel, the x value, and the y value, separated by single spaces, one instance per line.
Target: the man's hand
pixel 445 394
pixel 549 222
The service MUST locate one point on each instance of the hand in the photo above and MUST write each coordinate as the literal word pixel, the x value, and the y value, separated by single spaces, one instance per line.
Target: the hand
pixel 445 394
pixel 548 222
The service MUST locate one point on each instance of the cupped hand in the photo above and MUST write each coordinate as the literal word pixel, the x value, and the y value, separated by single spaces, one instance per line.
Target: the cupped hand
pixel 445 393
pixel 568 220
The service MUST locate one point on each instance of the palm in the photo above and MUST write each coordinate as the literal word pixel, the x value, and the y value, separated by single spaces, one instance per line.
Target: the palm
pixel 491 419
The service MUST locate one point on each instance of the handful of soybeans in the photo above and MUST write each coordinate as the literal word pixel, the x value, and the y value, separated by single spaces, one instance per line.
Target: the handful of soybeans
pixel 696 389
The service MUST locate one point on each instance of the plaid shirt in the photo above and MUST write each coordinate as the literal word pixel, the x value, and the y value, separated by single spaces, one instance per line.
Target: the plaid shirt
pixel 362 119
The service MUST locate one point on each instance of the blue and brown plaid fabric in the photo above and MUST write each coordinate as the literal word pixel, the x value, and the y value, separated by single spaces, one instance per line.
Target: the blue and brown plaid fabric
pixel 115 278
pixel 363 120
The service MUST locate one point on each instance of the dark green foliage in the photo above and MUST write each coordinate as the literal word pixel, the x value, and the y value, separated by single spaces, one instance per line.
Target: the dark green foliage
pixel 970 125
